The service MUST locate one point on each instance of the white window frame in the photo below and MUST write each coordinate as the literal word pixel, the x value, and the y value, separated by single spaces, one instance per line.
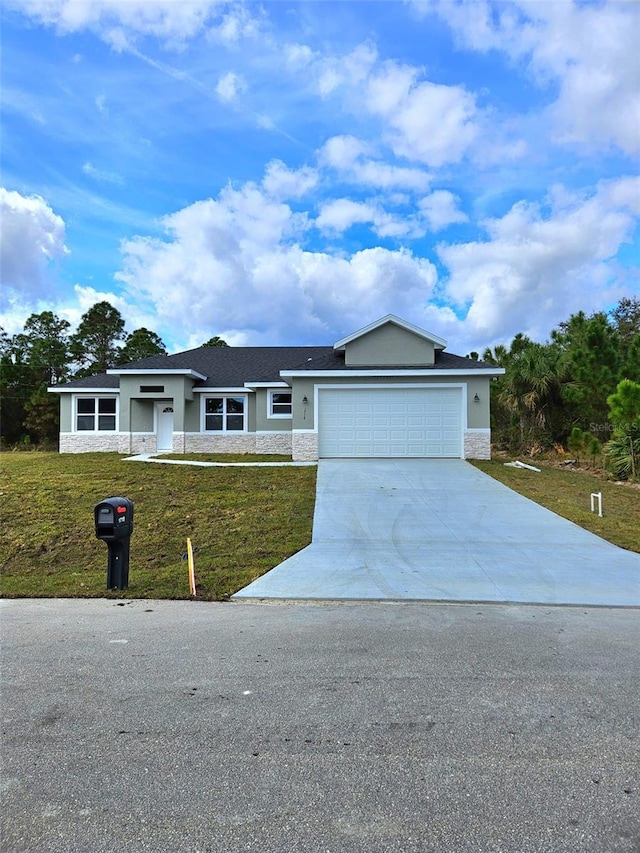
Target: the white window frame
pixel 96 413
pixel 271 415
pixel 224 395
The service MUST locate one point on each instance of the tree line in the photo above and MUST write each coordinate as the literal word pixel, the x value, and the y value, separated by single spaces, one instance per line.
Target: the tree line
pixel 554 394
pixel 578 391
pixel 45 353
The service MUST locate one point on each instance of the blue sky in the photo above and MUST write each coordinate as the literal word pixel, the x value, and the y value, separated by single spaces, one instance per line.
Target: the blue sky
pixel 284 173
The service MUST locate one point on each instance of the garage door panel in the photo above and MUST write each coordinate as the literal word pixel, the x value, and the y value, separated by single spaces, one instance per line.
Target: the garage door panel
pixel 398 421
pixel 414 434
pixel 434 435
pixel 398 435
pixel 390 422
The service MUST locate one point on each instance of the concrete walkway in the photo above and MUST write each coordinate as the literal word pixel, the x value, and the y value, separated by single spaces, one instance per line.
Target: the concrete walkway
pixel 441 530
pixel 152 457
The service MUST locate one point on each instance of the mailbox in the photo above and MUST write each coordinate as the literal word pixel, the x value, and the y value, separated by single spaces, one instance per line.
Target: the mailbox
pixel 113 519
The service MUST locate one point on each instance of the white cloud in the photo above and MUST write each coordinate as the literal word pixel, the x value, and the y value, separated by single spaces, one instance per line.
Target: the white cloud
pixel 441 209
pixel 346 154
pixel 373 173
pixel 120 22
pixel 298 55
pixel 537 268
pixel 281 182
pixel 102 175
pixel 165 19
pixel 342 152
pixel 422 121
pixel 32 237
pixel 623 193
pixel 236 24
pixel 229 86
pixel 589 49
pixel 350 70
pixel 427 122
pixel 236 263
pixel 340 214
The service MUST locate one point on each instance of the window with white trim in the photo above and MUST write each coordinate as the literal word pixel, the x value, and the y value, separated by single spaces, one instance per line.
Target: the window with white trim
pixel 96 414
pixel 280 404
pixel 225 414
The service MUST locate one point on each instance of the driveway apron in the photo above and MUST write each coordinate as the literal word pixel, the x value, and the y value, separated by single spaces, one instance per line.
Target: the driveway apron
pixel 441 530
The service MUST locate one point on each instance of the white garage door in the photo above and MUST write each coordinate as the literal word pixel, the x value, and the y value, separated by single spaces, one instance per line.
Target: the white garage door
pixel 385 422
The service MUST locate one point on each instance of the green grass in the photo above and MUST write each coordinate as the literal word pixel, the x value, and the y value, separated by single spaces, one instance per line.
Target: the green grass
pixel 567 493
pixel 241 521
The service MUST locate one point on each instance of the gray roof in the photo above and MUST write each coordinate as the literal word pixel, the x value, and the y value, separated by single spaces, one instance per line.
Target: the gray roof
pixel 98 380
pixel 226 367
pixel 333 360
pixel 232 366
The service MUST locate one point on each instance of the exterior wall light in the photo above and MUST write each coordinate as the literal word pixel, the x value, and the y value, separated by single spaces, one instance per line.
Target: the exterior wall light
pixel 305 401
pixel 476 399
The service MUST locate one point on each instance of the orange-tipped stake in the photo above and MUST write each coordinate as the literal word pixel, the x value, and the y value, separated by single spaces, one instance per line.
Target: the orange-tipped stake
pixel 192 572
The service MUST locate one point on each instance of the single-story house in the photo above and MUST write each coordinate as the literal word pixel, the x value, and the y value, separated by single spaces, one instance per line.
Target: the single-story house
pixel 387 390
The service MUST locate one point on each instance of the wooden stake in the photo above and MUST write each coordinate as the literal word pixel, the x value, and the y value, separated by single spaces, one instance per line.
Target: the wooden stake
pixel 192 573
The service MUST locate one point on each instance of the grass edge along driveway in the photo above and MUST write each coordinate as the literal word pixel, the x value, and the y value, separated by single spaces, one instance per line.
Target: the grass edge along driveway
pixel 568 493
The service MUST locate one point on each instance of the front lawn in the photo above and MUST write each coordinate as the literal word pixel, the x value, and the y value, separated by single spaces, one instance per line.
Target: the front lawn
pixel 568 492
pixel 241 521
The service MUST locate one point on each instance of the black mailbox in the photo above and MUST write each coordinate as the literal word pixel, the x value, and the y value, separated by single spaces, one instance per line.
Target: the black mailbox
pixel 114 525
pixel 114 518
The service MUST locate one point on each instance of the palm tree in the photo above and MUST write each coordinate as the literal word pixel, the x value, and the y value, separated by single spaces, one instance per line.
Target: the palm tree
pixel 530 387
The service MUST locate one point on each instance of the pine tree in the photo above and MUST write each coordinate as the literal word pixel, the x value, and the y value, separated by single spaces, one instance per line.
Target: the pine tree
pixel 93 347
pixel 140 344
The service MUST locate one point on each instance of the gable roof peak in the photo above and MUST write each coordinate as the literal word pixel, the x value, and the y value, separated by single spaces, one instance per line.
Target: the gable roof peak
pixel 439 343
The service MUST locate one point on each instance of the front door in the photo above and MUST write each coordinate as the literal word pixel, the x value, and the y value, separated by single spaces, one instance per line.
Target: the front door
pixel 164 427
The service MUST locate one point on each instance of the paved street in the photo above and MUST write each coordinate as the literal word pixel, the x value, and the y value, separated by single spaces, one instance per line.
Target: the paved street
pixel 337 728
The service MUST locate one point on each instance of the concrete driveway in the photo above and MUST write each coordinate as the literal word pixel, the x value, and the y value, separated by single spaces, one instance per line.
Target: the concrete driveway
pixel 440 530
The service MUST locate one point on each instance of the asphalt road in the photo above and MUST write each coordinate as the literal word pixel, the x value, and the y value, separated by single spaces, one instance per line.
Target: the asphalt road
pixel 336 728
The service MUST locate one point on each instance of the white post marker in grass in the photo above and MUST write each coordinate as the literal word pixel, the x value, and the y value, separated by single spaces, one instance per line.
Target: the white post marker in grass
pixel 596 496
pixel 192 571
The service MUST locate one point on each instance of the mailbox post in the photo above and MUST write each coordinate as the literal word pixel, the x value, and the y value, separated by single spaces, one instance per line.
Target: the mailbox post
pixel 114 525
